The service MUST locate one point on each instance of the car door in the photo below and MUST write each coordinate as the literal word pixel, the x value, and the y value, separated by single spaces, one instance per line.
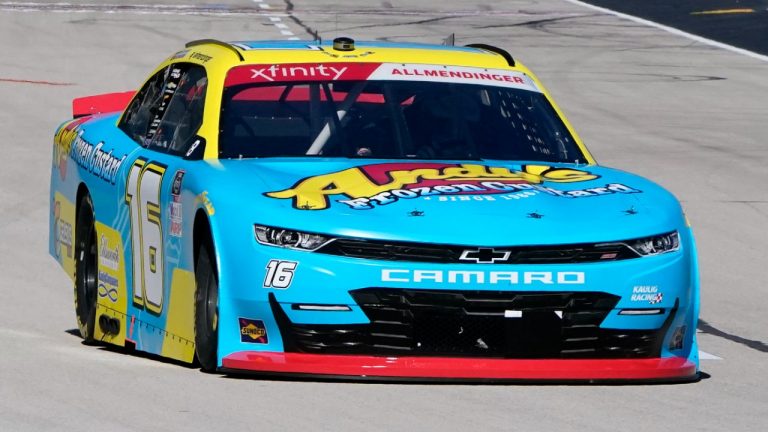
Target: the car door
pixel 164 119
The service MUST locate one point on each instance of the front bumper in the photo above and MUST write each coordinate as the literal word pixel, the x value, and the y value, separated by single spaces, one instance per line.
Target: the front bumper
pixel 674 369
pixel 422 321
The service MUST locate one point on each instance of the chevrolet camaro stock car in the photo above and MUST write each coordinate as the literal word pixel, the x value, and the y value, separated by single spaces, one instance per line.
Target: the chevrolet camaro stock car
pixel 366 210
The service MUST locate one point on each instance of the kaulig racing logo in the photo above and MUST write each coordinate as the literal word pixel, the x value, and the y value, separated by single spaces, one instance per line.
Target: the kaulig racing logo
pixel 366 187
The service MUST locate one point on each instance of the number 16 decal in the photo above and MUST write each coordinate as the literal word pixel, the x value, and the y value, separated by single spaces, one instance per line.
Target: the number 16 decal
pixel 279 274
pixel 142 194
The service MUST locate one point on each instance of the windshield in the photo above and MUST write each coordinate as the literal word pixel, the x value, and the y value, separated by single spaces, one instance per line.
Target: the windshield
pixel 449 113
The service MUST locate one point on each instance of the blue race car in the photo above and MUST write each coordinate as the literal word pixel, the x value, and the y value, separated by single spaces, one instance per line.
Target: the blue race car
pixel 377 210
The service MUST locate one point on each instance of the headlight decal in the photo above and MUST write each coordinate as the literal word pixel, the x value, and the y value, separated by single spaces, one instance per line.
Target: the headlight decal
pixel 289 238
pixel 656 245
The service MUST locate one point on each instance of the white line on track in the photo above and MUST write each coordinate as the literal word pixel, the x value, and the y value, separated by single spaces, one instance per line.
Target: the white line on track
pixel 142 9
pixel 277 21
pixel 707 356
pixel 262 5
pixel 673 30
pixel 264 9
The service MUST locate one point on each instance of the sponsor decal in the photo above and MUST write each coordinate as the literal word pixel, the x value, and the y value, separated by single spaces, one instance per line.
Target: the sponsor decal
pixel 175 209
pixel 445 73
pixel 649 293
pixel 277 72
pixel 178 179
pixel 109 257
pixel 203 198
pixel 454 74
pixel 95 159
pixel 201 57
pixel 477 277
pixel 349 55
pixel 62 143
pixel 299 72
pixel 253 331
pixel 192 148
pixel 62 232
pixel 111 294
pixel 176 219
pixel 377 71
pixel 108 286
pixel 485 197
pixel 370 186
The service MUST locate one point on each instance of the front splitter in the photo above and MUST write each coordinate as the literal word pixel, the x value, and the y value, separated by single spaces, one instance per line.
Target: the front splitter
pixel 463 369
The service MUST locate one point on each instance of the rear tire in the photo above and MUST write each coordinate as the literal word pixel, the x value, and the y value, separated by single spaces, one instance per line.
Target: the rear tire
pixel 86 269
pixel 206 308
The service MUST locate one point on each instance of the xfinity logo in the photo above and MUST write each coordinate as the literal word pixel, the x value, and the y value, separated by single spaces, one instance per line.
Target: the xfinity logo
pixel 485 255
pixel 483 277
pixel 274 71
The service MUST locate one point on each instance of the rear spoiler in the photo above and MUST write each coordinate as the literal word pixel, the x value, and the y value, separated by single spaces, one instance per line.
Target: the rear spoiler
pixel 103 103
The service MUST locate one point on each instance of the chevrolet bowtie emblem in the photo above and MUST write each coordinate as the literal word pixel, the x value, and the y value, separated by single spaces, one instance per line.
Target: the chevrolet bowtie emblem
pixel 485 255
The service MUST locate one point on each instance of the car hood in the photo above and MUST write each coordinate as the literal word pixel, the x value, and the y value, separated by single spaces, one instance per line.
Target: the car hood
pixel 475 203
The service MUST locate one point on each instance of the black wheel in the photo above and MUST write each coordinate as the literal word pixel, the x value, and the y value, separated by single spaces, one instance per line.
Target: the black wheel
pixel 86 269
pixel 206 308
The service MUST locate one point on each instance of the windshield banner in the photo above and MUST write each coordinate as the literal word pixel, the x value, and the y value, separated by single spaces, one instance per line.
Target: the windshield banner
pixel 308 72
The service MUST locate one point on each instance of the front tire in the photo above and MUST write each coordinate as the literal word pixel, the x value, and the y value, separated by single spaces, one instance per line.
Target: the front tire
pixel 86 270
pixel 206 308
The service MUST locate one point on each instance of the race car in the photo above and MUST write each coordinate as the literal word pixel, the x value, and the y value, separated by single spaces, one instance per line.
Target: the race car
pixel 366 210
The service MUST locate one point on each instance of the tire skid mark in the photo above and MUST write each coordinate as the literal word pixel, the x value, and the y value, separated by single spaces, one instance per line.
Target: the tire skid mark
pixel 539 22
pixel 36 82
pixel 397 24
pixel 289 6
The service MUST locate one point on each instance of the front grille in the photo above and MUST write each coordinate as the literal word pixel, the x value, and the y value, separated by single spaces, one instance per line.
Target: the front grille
pixel 473 323
pixel 435 253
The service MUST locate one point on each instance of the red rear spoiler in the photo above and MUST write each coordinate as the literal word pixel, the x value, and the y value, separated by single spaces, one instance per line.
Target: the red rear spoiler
pixel 103 103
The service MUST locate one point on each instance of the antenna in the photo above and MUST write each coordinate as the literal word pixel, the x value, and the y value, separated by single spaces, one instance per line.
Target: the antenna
pixel 450 40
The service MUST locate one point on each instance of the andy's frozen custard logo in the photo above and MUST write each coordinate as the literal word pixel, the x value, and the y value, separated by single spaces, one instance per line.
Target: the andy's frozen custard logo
pixel 62 143
pixel 366 187
pixel 95 159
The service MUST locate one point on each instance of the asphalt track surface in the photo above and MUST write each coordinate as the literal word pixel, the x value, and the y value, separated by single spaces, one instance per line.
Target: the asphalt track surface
pixel 742 23
pixel 691 116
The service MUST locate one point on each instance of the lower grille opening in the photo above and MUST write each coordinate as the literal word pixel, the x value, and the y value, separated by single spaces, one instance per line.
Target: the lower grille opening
pixel 473 323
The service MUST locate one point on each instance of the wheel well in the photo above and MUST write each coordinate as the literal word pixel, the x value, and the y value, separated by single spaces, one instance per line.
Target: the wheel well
pixel 201 232
pixel 82 191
